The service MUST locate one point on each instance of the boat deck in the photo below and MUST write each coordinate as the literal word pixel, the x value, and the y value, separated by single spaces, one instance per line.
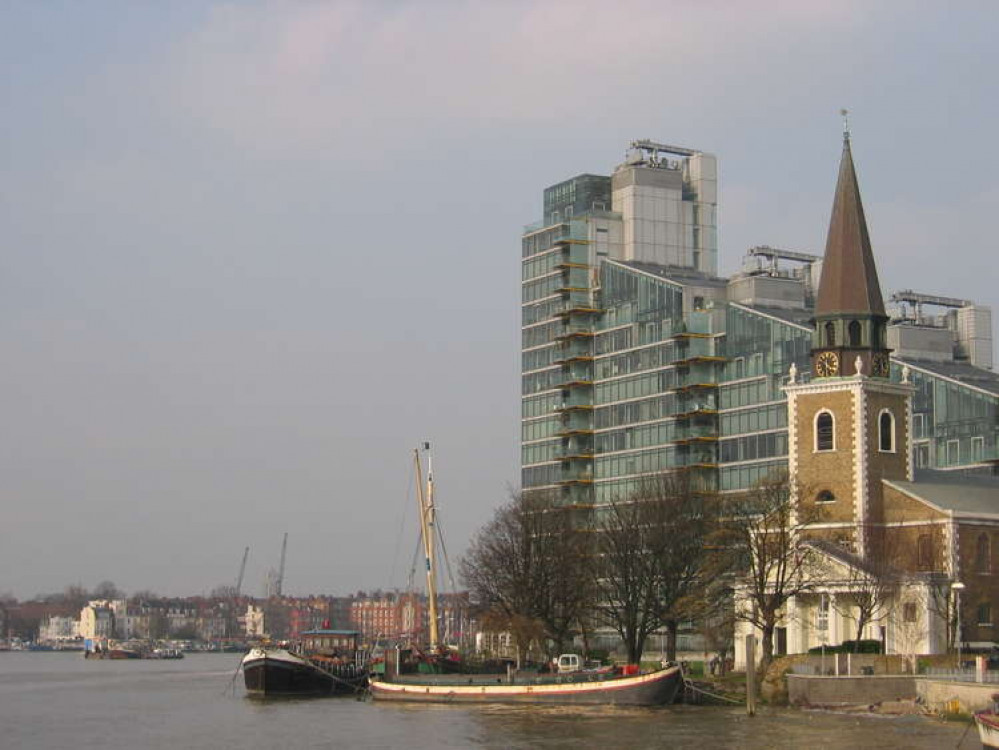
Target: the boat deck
pixel 518 678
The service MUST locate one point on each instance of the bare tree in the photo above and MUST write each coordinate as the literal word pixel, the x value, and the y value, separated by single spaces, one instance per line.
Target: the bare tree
pixel 873 580
pixel 107 590
pixel 526 568
pixel 650 557
pixel 716 616
pixel 928 556
pixel 223 591
pixel 762 541
pixel 76 595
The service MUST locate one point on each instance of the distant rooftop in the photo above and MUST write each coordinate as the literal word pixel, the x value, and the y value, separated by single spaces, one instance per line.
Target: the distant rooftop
pixel 962 371
pixel 797 317
pixel 677 274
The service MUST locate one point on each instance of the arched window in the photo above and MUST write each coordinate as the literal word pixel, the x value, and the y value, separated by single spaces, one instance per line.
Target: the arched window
pixel 983 554
pixel 886 432
pixel 824 431
pixel 854 331
pixel 830 334
pixel 924 552
pixel 825 496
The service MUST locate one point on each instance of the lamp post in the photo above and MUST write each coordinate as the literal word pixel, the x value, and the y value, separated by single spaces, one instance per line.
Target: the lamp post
pixel 957 587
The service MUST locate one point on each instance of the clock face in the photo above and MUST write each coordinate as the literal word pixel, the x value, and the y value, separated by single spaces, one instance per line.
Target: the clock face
pixel 879 365
pixel 827 364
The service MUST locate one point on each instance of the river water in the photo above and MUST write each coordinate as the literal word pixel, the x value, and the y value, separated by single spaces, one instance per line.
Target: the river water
pixel 57 701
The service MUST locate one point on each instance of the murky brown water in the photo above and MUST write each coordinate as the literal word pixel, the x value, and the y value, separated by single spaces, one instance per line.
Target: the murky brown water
pixel 62 702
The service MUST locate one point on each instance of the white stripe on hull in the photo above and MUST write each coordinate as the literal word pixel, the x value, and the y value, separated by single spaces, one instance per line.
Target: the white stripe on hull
pixel 597 691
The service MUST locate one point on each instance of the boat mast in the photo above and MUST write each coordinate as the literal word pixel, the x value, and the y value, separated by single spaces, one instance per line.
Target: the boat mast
pixel 427 513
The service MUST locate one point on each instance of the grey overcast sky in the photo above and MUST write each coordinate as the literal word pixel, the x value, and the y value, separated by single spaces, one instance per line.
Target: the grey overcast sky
pixel 252 253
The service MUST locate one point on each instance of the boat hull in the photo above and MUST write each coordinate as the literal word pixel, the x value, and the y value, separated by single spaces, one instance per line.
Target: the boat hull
pixel 269 672
pixel 653 689
pixel 988 729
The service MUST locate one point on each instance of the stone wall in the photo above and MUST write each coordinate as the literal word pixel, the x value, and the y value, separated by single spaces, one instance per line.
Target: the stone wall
pixel 806 690
pixel 939 696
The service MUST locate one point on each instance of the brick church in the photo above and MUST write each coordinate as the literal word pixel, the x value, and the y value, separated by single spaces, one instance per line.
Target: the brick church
pixel 923 543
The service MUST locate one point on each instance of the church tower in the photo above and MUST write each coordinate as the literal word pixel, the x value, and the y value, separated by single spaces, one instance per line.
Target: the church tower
pixel 849 425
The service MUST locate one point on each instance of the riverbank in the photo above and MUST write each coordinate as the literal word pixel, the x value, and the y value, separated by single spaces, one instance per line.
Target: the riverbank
pixel 57 701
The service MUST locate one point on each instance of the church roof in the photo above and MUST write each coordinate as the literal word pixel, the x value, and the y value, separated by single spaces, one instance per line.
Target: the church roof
pixel 844 557
pixel 961 494
pixel 849 281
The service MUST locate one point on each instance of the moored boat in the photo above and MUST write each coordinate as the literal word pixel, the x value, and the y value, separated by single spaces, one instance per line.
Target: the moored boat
pixel 326 662
pixel 988 728
pixel 653 688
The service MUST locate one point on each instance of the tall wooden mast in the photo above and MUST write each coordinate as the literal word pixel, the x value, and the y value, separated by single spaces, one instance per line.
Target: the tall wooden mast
pixel 427 513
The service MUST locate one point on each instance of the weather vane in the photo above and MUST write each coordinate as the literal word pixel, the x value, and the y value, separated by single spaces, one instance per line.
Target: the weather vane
pixel 846 123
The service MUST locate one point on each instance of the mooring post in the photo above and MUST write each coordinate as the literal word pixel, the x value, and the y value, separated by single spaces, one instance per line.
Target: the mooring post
pixel 751 674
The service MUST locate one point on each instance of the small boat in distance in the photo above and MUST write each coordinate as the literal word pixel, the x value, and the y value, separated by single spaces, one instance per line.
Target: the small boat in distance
pixel 326 662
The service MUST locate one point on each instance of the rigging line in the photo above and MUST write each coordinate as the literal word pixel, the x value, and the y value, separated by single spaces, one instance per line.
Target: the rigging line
pixel 412 570
pixel 690 686
pixel 232 682
pixel 447 560
pixel 402 528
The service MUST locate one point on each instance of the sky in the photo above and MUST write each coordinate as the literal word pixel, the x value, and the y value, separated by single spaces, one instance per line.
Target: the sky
pixel 251 254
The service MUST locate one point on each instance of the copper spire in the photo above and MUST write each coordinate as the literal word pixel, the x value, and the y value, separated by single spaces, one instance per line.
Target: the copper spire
pixel 849 281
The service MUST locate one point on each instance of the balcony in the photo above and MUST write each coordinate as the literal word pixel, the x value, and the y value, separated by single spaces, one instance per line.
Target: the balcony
pixel 579 308
pixel 696 412
pixel 576 373
pixel 574 431
pixel 568 454
pixel 576 475
pixel 696 387
pixel 574 404
pixel 575 422
pixel 571 331
pixel 708 437
pixel 570 358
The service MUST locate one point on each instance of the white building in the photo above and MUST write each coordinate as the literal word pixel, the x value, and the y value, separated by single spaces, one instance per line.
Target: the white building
pixel 58 629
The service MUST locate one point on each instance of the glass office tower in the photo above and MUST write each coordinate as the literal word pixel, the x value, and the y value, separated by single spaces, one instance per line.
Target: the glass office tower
pixel 637 358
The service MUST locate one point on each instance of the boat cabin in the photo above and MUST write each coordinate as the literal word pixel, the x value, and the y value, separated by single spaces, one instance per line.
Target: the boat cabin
pixel 330 641
pixel 569 663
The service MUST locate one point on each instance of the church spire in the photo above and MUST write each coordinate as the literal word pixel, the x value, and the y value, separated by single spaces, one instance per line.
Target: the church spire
pixel 849 276
pixel 850 320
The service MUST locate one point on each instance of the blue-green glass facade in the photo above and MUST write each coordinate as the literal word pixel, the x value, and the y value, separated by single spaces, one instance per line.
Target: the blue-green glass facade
pixel 631 369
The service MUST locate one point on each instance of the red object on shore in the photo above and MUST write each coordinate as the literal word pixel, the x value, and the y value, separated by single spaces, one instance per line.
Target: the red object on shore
pixel 629 669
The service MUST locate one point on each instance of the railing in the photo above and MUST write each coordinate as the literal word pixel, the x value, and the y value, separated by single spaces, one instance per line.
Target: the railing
pixel 961 675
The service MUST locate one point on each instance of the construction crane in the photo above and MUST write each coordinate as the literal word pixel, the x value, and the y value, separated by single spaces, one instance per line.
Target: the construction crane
pixel 280 576
pixel 917 300
pixel 775 253
pixel 242 572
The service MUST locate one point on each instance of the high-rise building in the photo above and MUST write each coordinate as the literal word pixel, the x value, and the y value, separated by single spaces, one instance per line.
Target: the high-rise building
pixel 638 358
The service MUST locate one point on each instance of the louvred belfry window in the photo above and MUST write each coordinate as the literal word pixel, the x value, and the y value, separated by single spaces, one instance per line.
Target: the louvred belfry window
pixel 824 432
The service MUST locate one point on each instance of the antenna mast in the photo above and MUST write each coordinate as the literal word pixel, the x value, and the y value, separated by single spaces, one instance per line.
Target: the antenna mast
pixel 427 513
